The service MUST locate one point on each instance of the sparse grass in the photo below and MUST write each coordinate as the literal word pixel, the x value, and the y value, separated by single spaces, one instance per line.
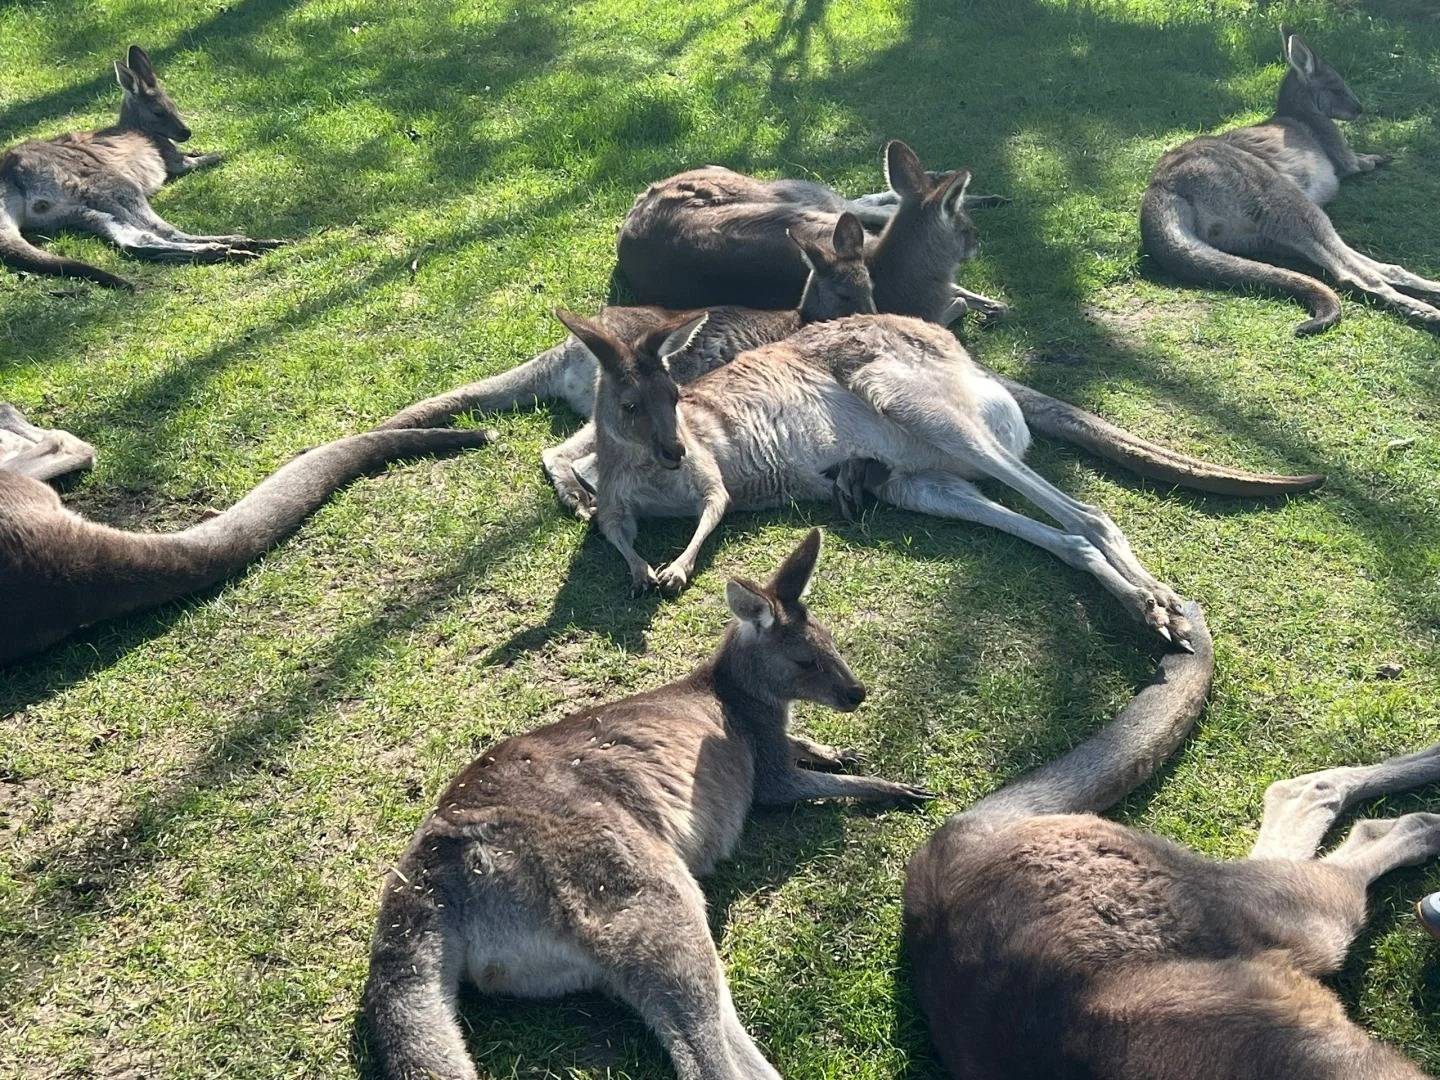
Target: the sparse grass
pixel 198 805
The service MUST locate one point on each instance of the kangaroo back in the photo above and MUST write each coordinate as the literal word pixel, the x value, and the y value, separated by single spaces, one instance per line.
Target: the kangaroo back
pixel 59 572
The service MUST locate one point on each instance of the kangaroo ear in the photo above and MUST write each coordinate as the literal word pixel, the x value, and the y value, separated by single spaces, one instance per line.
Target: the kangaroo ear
pixel 126 78
pixel 1298 54
pixel 849 237
pixel 607 349
pixel 750 603
pixel 679 339
pixel 954 197
pixel 792 581
pixel 140 65
pixel 903 171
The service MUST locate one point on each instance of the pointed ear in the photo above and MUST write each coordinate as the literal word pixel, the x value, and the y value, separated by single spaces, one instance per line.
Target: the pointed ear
pixel 849 237
pixel 1299 56
pixel 792 580
pixel 601 344
pixel 679 339
pixel 750 603
pixel 954 197
pixel 140 65
pixel 903 171
pixel 126 78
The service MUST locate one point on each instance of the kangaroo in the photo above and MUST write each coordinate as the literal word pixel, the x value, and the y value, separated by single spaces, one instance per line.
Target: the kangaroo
pixel 714 236
pixel 1049 942
pixel 101 182
pixel 778 422
pixel 838 284
pixel 566 859
pixel 59 572
pixel 1259 190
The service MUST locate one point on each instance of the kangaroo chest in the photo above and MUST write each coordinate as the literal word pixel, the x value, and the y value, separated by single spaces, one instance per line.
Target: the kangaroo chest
pixel 1311 170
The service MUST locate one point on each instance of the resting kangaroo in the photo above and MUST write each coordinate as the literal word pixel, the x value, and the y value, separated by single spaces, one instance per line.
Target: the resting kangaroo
pixel 1048 942
pixel 1259 190
pixel 839 284
pixel 712 236
pixel 566 859
pixel 101 182
pixel 59 572
pixel 778 422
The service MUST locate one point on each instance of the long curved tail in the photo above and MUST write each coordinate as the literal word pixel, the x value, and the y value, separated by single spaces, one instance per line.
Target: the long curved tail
pixel 19 254
pixel 1167 230
pixel 278 504
pixel 1061 420
pixel 537 379
pixel 1125 753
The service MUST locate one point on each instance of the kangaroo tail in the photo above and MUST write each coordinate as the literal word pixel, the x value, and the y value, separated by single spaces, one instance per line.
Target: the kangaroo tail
pixel 19 254
pixel 1125 753
pixel 279 503
pixel 1061 420
pixel 1167 229
pixel 409 1001
pixel 536 379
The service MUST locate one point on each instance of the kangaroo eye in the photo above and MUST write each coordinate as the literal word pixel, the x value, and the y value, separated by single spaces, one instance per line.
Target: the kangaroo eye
pixel 629 406
pixel 808 665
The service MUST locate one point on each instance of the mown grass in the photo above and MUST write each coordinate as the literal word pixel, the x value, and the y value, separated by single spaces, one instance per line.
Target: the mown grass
pixel 198 805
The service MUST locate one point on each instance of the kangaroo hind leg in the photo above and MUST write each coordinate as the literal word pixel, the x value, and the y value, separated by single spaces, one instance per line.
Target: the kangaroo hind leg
pixel 1318 241
pixel 40 453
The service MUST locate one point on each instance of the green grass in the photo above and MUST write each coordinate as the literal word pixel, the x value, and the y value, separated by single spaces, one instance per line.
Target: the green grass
pixel 197 806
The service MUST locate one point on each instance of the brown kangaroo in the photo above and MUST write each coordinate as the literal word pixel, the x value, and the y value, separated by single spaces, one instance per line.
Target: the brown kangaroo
pixel 838 284
pixel 713 236
pixel 785 421
pixel 1048 942
pixel 1259 190
pixel 566 859
pixel 59 572
pixel 101 182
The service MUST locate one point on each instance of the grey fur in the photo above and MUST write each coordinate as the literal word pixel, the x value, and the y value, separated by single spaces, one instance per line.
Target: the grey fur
pixel 1216 200
pixel 101 182
pixel 1047 942
pixel 567 858
pixel 838 283
pixel 780 422
pixel 59 572
pixel 713 236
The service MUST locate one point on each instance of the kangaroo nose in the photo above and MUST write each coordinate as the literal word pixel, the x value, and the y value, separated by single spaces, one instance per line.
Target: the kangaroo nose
pixel 671 456
pixel 854 695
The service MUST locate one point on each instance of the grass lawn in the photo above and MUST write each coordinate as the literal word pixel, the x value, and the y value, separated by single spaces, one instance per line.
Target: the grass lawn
pixel 197 806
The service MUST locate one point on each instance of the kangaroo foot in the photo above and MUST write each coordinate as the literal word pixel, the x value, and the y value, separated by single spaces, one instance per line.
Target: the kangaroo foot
pixel 42 453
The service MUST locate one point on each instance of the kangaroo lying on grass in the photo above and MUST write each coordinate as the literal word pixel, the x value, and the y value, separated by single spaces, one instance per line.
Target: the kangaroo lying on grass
pixel 712 236
pixel 59 572
pixel 838 284
pixel 1258 190
pixel 566 859
pixel 1047 942
pixel 779 421
pixel 101 182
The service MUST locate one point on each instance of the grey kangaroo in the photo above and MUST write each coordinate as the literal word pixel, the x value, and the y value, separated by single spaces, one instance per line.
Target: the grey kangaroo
pixel 566 859
pixel 784 421
pixel 713 236
pixel 59 572
pixel 838 284
pixel 1048 942
pixel 101 182
pixel 1259 190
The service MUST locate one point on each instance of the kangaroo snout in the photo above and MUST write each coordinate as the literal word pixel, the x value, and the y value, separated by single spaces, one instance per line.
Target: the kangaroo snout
pixel 852 696
pixel 670 454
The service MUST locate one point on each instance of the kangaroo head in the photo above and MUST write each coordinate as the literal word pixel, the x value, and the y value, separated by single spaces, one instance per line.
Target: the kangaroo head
pixel 777 648
pixel 1311 81
pixel 145 106
pixel 636 399
pixel 839 281
pixel 931 214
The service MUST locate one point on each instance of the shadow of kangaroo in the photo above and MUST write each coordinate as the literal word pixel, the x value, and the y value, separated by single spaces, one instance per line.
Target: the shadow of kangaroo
pixel 59 572
pixel 838 284
pixel 566 859
pixel 1259 190
pixel 713 236
pixel 899 397
pixel 101 182
pixel 1048 942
